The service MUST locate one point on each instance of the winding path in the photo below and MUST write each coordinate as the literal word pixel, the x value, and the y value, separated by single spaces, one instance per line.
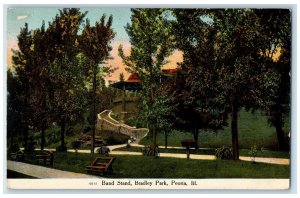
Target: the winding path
pixel 106 122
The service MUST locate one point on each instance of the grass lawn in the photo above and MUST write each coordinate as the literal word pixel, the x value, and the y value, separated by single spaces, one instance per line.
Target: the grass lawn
pixel 243 152
pixel 149 167
pixel 253 129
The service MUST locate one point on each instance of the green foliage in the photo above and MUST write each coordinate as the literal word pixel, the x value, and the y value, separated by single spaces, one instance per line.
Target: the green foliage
pixel 151 44
pixel 224 153
pixel 23 66
pixel 253 153
pixel 95 45
pixel 148 151
pixel 253 127
pixel 103 150
pixel 121 77
pixel 199 105
pixel 76 144
pixel 14 109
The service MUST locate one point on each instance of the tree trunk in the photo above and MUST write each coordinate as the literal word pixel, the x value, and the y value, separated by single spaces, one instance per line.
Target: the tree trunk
pixel 42 138
pixel 234 131
pixel 62 133
pixel 196 137
pixel 280 133
pixel 94 112
pixel 25 137
pixel 154 140
pixel 166 139
pixel 11 139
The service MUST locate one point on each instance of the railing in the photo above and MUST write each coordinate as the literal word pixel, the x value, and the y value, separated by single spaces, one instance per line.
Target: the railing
pixel 106 122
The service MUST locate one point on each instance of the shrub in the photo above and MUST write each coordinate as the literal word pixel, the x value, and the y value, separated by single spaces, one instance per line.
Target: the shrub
pixel 103 150
pixel 76 145
pixel 147 151
pixel 253 153
pixel 224 152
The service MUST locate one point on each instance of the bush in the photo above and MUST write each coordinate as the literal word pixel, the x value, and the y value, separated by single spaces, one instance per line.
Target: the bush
pixel 224 153
pixel 103 150
pixel 148 151
pixel 253 153
pixel 76 145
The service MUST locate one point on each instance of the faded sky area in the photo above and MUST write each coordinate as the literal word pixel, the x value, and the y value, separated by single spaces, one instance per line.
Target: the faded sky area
pixel 17 17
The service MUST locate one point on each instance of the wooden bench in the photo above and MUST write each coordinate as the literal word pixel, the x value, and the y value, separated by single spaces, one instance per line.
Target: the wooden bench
pixel 18 156
pixel 46 157
pixel 101 165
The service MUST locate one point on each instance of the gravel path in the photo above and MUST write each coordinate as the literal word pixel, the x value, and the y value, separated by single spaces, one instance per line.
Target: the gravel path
pixel 269 160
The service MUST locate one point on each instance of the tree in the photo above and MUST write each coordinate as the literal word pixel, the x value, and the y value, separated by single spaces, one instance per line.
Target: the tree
pixel 14 108
pixel 276 37
pixel 151 43
pixel 67 90
pixel 39 98
pixel 194 93
pixel 121 77
pixel 165 113
pixel 245 80
pixel 95 45
pixel 23 66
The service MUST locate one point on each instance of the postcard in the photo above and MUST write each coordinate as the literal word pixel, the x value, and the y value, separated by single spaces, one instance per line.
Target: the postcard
pixel 148 98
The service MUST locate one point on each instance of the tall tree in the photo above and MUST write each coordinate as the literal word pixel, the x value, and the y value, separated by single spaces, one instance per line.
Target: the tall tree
pixel 195 94
pixel 245 78
pixel 276 49
pixel 151 43
pixel 23 66
pixel 39 98
pixel 67 92
pixel 14 108
pixel 95 45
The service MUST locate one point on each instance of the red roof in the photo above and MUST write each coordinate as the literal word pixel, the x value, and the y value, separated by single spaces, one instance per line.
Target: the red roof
pixel 133 78
pixel 170 71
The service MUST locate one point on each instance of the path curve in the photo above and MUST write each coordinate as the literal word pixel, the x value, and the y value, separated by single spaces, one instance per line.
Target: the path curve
pixel 106 122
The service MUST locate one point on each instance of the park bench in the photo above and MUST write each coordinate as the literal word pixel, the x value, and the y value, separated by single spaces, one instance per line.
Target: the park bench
pixel 101 165
pixel 18 156
pixel 45 157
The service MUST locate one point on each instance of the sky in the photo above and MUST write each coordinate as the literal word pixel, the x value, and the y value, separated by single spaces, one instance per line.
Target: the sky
pixel 18 16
